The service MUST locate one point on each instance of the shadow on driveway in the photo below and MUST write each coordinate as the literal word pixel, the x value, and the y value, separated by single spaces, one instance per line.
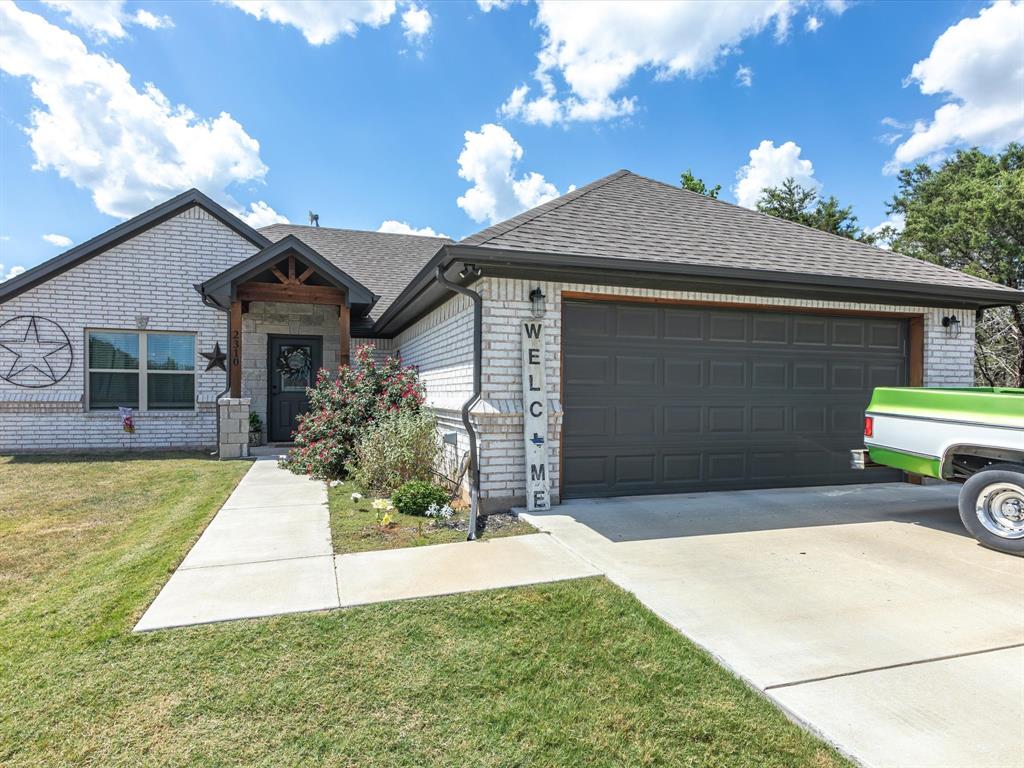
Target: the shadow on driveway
pixel 641 518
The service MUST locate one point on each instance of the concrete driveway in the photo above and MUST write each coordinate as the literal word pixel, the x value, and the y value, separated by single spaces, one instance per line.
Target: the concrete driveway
pixel 866 612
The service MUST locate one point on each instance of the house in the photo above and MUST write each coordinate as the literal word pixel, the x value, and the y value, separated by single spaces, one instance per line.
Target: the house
pixel 677 343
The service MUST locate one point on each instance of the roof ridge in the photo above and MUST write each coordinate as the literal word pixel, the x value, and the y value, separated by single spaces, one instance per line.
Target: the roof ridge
pixel 877 250
pixel 356 231
pixel 543 209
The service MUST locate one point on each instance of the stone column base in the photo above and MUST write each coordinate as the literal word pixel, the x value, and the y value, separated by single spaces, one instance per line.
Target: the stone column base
pixel 233 440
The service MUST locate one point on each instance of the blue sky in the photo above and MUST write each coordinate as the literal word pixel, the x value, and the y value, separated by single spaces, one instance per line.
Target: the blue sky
pixel 369 112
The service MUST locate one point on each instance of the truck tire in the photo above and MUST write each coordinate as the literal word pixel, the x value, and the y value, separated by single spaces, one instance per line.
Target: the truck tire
pixel 992 507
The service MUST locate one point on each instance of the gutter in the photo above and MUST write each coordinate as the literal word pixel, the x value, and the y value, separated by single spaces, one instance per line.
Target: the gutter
pixel 474 463
pixel 227 373
pixel 417 298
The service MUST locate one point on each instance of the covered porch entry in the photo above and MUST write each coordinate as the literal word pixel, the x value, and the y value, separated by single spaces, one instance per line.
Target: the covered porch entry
pixel 289 315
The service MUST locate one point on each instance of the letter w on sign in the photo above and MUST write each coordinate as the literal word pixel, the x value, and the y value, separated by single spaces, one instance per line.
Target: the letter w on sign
pixel 535 417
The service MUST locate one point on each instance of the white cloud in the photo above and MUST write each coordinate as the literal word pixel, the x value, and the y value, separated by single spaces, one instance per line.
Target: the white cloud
pixel 321 22
pixel 596 49
pixel 977 66
pixel 61 241
pixel 493 5
pixel 745 76
pixel 488 161
pixel 416 23
pixel 813 24
pixel 151 21
pixel 106 19
pixel 131 149
pixel 261 215
pixel 895 221
pixel 769 166
pixel 12 272
pixel 402 228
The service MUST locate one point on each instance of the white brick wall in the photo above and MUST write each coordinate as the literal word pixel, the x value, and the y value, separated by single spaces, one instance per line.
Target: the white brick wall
pixel 150 275
pixel 444 356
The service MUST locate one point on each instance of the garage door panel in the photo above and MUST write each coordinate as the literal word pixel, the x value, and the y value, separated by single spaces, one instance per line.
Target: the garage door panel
pixel 681 468
pixel 636 322
pixel 769 375
pixel 770 329
pixel 702 399
pixel 728 327
pixel 636 420
pixel 681 375
pixel 683 325
pixel 632 370
pixel 810 331
pixel 635 469
pixel 886 336
pixel 727 373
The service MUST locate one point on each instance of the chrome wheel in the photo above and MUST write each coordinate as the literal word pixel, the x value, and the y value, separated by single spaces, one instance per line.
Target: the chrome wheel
pixel 1000 508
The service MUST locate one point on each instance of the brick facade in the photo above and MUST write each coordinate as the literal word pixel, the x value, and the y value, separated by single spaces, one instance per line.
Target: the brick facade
pixel 447 367
pixel 147 280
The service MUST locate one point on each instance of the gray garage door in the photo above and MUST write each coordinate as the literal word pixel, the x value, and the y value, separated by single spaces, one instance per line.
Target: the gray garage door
pixel 662 399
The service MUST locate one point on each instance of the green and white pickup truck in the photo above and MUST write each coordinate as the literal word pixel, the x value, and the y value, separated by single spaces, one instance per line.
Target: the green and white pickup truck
pixel 970 436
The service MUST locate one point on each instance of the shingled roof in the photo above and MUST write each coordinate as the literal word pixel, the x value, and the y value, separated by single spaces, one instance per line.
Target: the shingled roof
pixel 382 261
pixel 626 217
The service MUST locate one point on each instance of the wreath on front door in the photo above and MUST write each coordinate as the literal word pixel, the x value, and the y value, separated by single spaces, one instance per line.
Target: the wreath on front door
pixel 296 362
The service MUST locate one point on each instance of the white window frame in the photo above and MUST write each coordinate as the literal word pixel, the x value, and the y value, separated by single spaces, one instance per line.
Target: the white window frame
pixel 143 370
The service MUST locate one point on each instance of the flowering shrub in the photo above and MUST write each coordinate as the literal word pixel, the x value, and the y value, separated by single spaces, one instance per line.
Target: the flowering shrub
pixel 395 449
pixel 417 496
pixel 341 408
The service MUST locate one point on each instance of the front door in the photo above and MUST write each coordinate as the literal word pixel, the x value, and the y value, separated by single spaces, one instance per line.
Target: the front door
pixel 292 365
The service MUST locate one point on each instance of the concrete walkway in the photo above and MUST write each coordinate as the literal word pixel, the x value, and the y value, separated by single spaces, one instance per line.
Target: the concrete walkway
pixel 268 551
pixel 866 612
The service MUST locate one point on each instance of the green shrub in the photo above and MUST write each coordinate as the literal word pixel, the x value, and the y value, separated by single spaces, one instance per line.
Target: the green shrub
pixel 341 409
pixel 417 496
pixel 400 447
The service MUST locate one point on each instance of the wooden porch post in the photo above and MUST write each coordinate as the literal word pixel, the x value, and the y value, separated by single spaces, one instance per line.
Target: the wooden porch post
pixel 344 329
pixel 235 353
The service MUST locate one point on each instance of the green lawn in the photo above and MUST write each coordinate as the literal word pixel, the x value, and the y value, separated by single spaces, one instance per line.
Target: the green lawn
pixel 570 674
pixel 355 528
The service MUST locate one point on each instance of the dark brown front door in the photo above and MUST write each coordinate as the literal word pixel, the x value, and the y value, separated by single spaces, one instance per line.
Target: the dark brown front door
pixel 292 365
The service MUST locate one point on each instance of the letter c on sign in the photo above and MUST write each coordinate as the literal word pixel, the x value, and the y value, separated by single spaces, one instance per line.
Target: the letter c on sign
pixel 536 408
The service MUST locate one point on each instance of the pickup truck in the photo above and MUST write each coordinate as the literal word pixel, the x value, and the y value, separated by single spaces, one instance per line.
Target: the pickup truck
pixel 969 436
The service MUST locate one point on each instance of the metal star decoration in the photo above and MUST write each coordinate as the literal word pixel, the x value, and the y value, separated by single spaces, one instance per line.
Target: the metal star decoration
pixel 39 358
pixel 216 358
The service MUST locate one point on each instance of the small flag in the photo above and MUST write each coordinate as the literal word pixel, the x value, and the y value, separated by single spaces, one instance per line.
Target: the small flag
pixel 127 421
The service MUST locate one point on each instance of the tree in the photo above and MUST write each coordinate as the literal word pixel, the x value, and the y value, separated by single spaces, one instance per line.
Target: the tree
pixel 794 202
pixel 968 214
pixel 692 183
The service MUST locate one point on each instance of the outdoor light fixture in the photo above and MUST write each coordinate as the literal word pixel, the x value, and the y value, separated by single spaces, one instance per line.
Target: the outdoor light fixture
pixel 470 270
pixel 952 325
pixel 537 302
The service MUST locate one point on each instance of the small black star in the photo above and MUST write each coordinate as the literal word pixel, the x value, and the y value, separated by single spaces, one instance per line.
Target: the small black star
pixel 216 358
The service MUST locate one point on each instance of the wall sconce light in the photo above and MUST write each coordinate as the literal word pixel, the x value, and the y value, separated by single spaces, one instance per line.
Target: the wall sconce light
pixel 537 302
pixel 952 325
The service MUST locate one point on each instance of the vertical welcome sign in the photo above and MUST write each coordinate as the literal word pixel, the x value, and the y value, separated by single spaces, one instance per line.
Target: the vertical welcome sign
pixel 535 417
